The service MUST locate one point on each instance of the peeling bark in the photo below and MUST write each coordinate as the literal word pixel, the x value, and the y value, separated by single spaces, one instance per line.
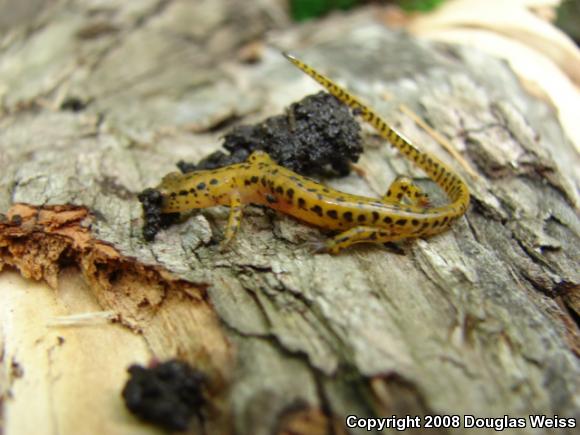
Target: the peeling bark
pixel 479 320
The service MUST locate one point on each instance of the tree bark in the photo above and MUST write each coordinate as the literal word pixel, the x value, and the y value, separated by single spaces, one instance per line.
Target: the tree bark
pixel 99 104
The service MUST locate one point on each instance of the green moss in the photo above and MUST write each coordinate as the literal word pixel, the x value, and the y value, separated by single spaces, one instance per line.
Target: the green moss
pixel 306 9
pixel 569 18
pixel 420 5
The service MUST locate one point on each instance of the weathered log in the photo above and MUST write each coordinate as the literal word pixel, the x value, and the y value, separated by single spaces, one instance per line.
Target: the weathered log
pixel 100 104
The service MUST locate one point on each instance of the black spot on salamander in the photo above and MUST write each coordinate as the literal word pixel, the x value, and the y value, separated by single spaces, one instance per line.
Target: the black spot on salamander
pixel 388 220
pixel 312 189
pixel 317 209
pixel 325 190
pixel 445 219
pixel 373 236
pixel 301 203
pixel 280 190
pixel 254 179
pixel 213 181
pixel 332 214
pixel 340 199
pixel 290 193
pixel 263 181
pixel 401 222
pixel 173 194
pixel 375 216
pixel 183 192
pixel 425 225
pixel 201 186
pixel 361 218
pixel 247 182
pixel 271 199
pixel 347 216
pixel 274 172
pixel 436 223
pixel 399 195
pixel 415 222
pixel 389 193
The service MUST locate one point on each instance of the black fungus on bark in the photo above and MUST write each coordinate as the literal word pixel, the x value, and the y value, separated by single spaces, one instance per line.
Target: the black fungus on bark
pixel 167 395
pixel 316 134
pixel 154 220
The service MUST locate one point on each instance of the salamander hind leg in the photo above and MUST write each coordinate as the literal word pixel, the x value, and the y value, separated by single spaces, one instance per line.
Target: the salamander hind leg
pixel 356 235
pixel 234 220
pixel 404 188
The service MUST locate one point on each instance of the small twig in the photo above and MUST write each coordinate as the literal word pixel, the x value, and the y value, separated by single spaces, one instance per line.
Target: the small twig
pixel 83 319
pixel 439 138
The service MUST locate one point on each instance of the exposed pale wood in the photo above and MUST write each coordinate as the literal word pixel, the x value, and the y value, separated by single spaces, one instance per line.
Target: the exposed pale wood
pixel 52 373
pixel 478 320
pixel 510 19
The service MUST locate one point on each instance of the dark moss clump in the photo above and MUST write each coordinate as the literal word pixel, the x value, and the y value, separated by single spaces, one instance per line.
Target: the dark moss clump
pixel 151 200
pixel 167 395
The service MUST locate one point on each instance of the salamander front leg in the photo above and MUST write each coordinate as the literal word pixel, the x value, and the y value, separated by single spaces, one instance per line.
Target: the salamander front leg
pixel 404 188
pixel 234 220
pixel 356 235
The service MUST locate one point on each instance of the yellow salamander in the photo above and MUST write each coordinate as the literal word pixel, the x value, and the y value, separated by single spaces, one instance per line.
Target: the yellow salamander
pixel 403 212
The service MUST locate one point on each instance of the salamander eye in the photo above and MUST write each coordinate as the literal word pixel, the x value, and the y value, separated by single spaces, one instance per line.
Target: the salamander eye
pixel 259 156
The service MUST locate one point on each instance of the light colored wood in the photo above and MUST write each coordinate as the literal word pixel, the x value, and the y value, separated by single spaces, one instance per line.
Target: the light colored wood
pixel 52 372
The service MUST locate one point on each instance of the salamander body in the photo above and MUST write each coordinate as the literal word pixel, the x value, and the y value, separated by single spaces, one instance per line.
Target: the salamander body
pixel 403 212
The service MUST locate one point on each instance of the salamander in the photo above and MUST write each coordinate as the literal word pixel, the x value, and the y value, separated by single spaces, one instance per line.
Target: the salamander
pixel 403 212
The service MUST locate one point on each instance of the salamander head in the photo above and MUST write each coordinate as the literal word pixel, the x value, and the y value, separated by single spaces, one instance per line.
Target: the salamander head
pixel 171 181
